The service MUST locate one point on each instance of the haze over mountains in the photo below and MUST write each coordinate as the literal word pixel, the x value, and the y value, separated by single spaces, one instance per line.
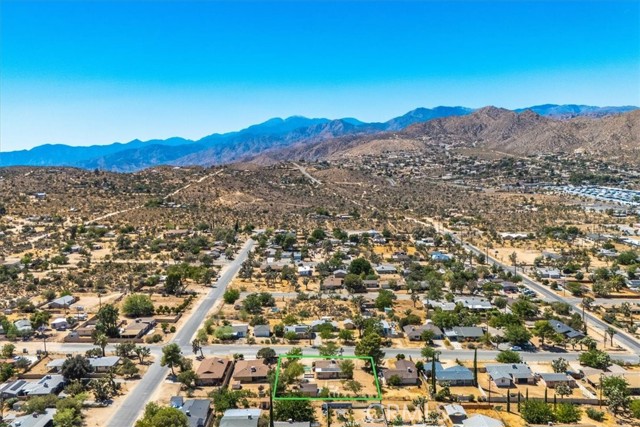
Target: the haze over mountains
pixel 544 128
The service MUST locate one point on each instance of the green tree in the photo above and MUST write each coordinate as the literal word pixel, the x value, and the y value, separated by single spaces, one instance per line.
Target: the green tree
pixel 173 283
pixel 128 369
pixel 330 348
pixel 616 390
pixel 560 365
pixel 101 340
pixel 231 295
pixel 517 334
pixel 634 406
pixel 370 345
pixel 107 320
pixel 156 416
pixel 524 309
pixel 40 318
pixel 346 368
pixel 563 390
pixel 171 356
pixel 102 389
pixel 138 305
pixel 353 283
pixel 296 410
pixel 509 356
pixel 196 346
pixel 224 399
pixel 537 412
pixel 567 413
pixel 361 267
pixel 268 354
pixel 595 359
pixel 125 349
pixel 6 371
pixel 188 378
pixel 142 353
pixel 385 299
pixel 76 368
pixel 543 329
pixel 345 335
pixel 8 351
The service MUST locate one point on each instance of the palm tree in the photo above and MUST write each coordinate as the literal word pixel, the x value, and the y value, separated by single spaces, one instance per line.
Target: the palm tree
pixel 196 346
pixel 101 340
pixel 611 332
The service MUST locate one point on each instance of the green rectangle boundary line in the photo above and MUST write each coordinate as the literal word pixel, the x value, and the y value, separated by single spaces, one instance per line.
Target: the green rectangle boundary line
pixel 327 399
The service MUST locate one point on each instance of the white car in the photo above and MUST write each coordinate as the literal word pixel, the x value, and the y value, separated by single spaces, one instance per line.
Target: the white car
pixel 515 348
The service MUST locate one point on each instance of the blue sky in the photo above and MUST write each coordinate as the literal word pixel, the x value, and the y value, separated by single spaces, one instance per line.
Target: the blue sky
pixel 91 72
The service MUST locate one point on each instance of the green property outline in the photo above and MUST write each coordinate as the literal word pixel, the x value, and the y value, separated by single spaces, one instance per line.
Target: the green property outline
pixel 366 358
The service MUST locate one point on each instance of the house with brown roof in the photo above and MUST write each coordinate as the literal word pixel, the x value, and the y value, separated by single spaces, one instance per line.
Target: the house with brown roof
pixel 331 283
pixel 250 371
pixel 213 372
pixel 405 370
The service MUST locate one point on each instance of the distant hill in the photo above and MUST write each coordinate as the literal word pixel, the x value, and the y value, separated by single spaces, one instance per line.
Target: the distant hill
pixel 569 111
pixel 489 128
pixel 268 137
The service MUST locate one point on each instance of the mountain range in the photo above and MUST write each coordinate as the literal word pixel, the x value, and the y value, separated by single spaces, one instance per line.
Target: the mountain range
pixel 545 126
pixel 488 129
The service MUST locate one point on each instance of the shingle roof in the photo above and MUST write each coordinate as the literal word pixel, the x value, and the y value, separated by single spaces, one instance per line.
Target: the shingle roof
pixel 480 420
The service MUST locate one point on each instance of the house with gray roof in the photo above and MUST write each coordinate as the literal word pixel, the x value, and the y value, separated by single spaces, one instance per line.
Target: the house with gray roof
pixel 198 411
pixel 414 332
pixel 99 364
pixel 385 269
pixel 465 333
pixel 62 302
pixel 35 419
pixel 262 331
pixel 240 418
pixel 549 273
pixel 240 330
pixel 455 412
pixel 480 420
pixel 510 374
pixel 565 330
pixel 292 424
pixel 23 326
pixel 49 384
pixel 456 375
pixel 302 331
pixel 552 380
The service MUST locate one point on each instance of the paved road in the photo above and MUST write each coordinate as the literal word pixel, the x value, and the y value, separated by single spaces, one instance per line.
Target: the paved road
pixel 251 350
pixel 622 337
pixel 134 404
pixel 307 174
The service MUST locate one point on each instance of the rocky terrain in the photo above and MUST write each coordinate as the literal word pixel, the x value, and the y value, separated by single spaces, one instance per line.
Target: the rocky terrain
pixel 541 129
pixel 490 129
